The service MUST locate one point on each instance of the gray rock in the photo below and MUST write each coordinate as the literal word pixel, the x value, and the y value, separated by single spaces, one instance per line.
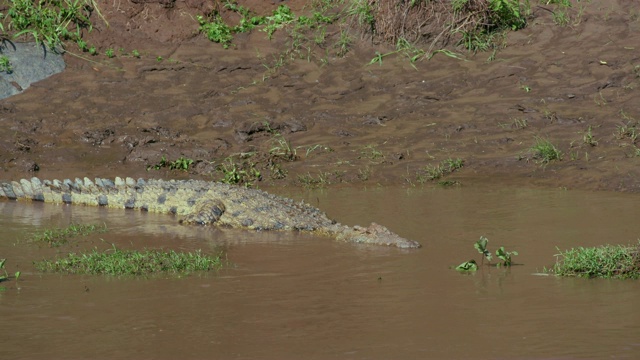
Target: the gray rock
pixel 30 62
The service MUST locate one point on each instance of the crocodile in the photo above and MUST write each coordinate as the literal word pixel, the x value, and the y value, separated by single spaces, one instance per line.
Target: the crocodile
pixel 201 203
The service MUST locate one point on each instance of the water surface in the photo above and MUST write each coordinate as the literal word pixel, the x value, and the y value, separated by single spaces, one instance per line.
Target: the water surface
pixel 298 296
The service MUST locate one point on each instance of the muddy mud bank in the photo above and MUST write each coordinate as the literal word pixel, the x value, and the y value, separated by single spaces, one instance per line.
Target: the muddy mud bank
pixel 318 121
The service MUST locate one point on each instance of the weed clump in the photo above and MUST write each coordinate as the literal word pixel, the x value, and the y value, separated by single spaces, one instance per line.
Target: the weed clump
pixel 608 261
pixel 436 172
pixel 118 262
pixel 52 21
pixel 474 24
pixel 545 152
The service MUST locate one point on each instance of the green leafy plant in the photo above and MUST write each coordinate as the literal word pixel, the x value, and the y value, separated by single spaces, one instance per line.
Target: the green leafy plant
pixel 467 266
pixel 181 163
pixel 481 247
pixel 109 53
pixel 160 164
pixel 280 17
pixel 505 256
pixel 248 20
pixel 216 30
pixel 243 172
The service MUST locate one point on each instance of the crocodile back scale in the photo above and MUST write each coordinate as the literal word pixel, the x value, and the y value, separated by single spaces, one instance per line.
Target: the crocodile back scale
pixel 200 202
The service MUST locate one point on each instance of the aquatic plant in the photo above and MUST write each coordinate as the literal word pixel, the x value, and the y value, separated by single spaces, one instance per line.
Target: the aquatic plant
pixel 4 275
pixel 481 247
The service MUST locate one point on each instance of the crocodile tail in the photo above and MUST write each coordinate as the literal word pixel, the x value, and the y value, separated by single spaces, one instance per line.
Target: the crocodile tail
pixel 23 189
pixel 80 191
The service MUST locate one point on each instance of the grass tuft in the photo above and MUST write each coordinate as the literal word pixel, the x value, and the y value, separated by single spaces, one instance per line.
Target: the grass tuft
pixel 545 151
pixel 59 236
pixel 445 167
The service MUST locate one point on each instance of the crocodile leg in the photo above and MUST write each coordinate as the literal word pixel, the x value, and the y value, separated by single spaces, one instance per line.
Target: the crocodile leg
pixel 205 212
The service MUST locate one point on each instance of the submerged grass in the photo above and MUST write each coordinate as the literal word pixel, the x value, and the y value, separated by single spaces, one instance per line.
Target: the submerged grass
pixel 608 261
pixel 131 262
pixel 59 236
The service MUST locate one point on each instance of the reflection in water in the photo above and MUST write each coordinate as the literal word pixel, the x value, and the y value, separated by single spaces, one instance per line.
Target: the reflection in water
pixel 297 296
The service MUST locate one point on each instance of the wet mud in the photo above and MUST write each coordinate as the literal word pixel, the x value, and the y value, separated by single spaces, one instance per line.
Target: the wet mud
pixel 346 122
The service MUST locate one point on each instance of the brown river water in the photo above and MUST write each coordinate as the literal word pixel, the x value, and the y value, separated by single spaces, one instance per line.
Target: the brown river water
pixel 295 296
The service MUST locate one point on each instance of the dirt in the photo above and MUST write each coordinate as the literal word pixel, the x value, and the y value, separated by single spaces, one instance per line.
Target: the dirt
pixel 343 121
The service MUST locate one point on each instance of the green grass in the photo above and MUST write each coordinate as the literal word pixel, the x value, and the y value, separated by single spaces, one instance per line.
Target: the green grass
pixel 5 65
pixel 51 21
pixel 309 181
pixel 281 149
pixel 608 261
pixel 436 172
pixel 59 236
pixel 118 262
pixel 545 152
pixel 588 137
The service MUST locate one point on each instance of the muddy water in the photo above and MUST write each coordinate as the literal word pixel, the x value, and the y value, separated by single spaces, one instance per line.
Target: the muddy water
pixel 296 296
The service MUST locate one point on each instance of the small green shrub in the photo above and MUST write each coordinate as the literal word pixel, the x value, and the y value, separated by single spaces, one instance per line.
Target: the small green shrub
pixel 216 30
